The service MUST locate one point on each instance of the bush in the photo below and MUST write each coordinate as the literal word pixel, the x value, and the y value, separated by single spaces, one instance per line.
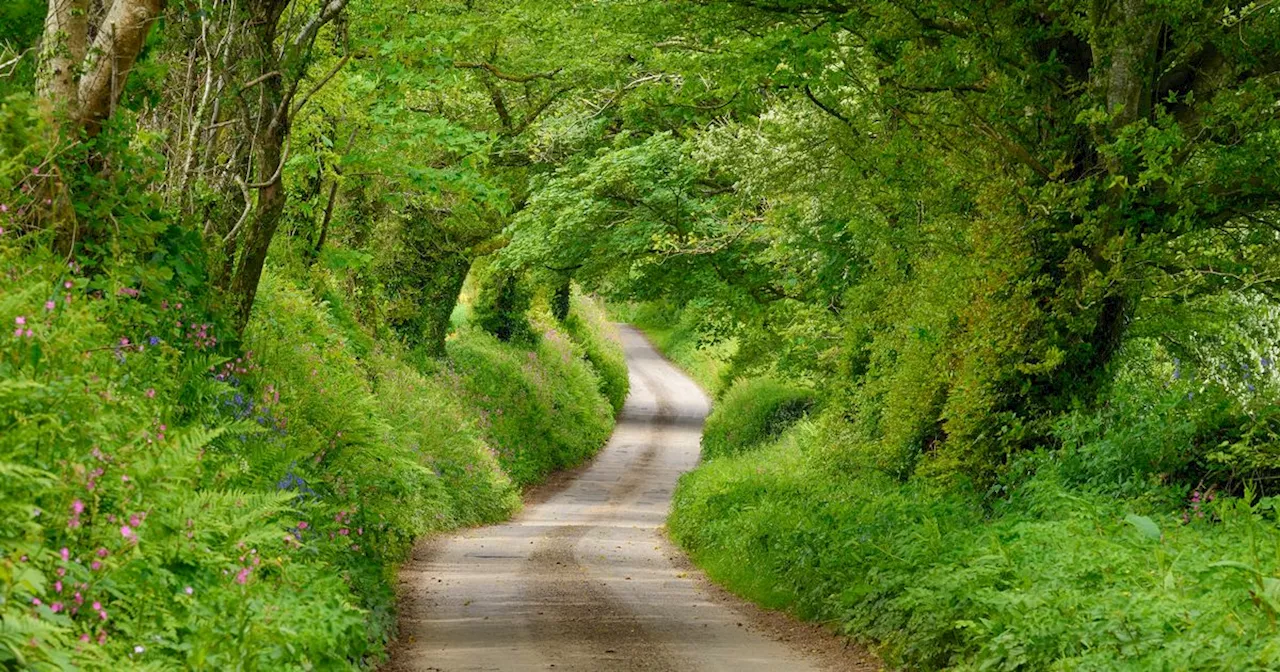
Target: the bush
pixel 751 413
pixel 588 325
pixel 540 409
pixel 1052 577
pixel 165 505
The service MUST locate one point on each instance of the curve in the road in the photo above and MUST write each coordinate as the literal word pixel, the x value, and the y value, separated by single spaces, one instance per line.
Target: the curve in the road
pixel 583 580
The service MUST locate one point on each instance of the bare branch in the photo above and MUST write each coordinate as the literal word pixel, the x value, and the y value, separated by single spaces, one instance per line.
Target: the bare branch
pixel 320 85
pixel 507 76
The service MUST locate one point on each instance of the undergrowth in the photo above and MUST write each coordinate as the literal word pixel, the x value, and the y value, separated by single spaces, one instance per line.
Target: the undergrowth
pixel 751 413
pixel 174 501
pixel 589 326
pixel 1100 552
pixel 1052 577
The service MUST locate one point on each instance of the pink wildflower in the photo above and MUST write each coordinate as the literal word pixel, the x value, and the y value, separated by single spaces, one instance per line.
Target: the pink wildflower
pixel 49 305
pixel 242 576
pixel 20 320
pixel 128 533
pixel 65 553
pixel 151 393
pixel 77 507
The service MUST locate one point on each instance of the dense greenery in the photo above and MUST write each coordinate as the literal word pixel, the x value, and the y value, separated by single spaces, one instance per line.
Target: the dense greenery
pixel 751 413
pixel 246 511
pixel 1098 552
pixel 190 485
pixel 1023 259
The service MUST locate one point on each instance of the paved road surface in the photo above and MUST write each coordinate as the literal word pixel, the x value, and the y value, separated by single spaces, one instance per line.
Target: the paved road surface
pixel 584 580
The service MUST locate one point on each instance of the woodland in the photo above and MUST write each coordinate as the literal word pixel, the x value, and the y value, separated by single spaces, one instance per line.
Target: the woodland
pixel 987 295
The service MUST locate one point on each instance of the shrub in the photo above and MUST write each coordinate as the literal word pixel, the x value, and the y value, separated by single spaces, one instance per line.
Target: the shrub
pixel 168 506
pixel 540 409
pixel 1051 577
pixel 588 325
pixel 751 413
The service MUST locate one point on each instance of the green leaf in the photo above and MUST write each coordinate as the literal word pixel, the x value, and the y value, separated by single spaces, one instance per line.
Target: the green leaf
pixel 1144 525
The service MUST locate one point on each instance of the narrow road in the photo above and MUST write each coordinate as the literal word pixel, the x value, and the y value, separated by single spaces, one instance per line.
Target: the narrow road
pixel 584 580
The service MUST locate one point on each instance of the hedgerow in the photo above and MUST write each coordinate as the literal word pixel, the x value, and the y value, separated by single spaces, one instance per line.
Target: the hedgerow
pixel 752 412
pixel 166 505
pixel 1053 577
pixel 590 327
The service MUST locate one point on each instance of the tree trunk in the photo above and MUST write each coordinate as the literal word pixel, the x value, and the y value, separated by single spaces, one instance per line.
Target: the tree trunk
pixel 440 298
pixel 120 38
pixel 560 300
pixel 271 136
pixel 62 50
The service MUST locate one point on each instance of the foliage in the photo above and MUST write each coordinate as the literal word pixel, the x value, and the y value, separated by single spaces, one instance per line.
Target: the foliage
pixel 540 409
pixel 1023 254
pixel 751 413
pixel 589 326
pixel 171 506
pixel 1057 576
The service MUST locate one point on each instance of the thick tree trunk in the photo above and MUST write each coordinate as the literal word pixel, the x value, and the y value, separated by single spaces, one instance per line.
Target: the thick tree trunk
pixel 62 50
pixel 439 300
pixel 120 38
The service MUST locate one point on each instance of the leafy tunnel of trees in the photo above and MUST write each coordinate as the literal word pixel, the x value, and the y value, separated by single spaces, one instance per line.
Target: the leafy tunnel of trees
pixel 961 221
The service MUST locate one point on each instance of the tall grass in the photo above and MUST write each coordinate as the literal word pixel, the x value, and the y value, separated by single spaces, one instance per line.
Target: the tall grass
pixel 167 505
pixel 1053 575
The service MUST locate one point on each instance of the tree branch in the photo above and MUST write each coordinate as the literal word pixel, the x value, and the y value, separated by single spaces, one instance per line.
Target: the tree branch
pixel 808 92
pixel 507 76
pixel 319 85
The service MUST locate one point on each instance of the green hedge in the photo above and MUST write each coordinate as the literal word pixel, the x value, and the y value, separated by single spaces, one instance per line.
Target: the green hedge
pixel 244 511
pixel 590 326
pixel 1054 576
pixel 540 408
pixel 751 413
